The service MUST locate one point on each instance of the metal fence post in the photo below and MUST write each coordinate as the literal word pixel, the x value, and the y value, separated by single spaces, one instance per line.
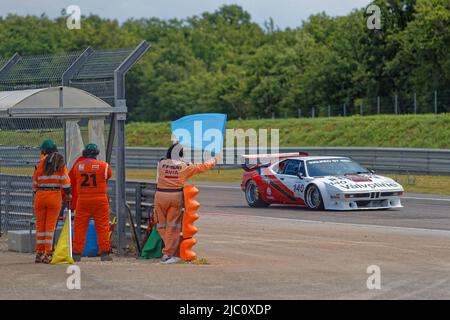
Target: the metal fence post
pixel 345 110
pixel 329 111
pixel 313 112
pixel 119 125
pixel 396 104
pixel 1 190
pixel 415 103
pixel 378 105
pixel 435 102
pixel 300 112
pixel 7 202
pixel 361 107
pixel 138 209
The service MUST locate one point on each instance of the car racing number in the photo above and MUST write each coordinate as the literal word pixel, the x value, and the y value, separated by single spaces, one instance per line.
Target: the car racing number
pixel 299 188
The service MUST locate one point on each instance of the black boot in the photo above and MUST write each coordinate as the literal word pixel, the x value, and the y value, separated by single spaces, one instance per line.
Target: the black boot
pixel 104 256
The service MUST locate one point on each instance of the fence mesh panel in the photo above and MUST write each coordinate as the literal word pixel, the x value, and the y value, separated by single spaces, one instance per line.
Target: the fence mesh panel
pixel 19 153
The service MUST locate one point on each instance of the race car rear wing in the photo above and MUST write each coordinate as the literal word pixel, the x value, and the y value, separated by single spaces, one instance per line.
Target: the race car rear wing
pixel 275 155
pixel 269 157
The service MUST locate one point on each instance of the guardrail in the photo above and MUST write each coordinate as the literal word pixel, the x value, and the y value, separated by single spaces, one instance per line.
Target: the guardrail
pixel 383 160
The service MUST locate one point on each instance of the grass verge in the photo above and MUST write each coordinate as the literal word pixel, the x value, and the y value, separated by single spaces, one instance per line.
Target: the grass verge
pixel 400 131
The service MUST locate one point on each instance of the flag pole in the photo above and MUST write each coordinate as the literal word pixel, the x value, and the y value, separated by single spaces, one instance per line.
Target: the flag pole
pixel 69 216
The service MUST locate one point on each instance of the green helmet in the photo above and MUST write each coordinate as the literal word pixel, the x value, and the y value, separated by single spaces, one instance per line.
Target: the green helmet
pixel 91 149
pixel 49 145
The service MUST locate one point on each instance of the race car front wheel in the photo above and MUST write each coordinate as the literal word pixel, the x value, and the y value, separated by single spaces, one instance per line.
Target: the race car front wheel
pixel 253 196
pixel 314 198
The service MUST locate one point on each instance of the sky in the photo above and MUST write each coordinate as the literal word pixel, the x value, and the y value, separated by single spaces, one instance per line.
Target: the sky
pixel 286 13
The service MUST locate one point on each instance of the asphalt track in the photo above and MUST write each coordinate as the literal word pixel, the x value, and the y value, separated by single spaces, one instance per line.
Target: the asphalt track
pixel 420 211
pixel 273 253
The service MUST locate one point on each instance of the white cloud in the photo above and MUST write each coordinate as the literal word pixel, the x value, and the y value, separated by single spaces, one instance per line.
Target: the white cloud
pixel 284 12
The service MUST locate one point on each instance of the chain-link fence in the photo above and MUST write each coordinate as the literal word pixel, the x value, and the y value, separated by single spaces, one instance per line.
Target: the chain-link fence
pixel 434 102
pixel 19 154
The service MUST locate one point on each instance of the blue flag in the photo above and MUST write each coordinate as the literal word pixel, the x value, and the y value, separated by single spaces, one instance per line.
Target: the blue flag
pixel 201 131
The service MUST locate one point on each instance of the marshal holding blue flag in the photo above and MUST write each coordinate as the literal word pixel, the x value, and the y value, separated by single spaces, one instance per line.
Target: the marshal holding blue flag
pixel 202 133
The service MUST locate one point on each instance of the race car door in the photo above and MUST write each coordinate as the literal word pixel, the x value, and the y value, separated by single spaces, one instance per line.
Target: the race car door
pixel 290 178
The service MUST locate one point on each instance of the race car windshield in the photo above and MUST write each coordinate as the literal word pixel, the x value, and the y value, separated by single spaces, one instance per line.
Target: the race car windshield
pixel 332 167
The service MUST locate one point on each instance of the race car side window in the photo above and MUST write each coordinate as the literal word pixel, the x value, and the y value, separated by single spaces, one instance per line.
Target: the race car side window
pixel 292 167
pixel 281 167
pixel 302 169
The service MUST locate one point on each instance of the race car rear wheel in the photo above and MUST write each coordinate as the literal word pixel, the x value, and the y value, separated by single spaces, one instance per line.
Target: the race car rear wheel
pixel 253 196
pixel 313 198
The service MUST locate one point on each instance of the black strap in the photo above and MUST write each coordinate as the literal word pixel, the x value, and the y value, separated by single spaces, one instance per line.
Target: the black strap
pixel 48 188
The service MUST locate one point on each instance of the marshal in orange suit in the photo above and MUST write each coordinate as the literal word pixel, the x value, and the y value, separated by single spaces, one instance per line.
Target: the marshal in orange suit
pixel 91 180
pixel 49 178
pixel 171 175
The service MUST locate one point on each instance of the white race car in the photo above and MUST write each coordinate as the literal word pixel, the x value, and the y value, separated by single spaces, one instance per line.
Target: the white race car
pixel 330 183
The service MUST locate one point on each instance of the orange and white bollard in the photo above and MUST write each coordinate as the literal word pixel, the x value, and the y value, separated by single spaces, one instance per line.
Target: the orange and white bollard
pixel 188 229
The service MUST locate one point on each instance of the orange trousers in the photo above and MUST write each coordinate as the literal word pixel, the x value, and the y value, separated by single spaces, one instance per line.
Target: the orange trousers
pixel 168 214
pixel 47 206
pixel 98 208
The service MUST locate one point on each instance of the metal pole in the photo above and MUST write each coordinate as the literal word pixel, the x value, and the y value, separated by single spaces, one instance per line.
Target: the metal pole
pixel 435 102
pixel 361 109
pixel 8 65
pixel 378 105
pixel 118 126
pixel 121 186
pixel 61 105
pixel 313 112
pixel 415 103
pixel 396 104
pixel 300 112
pixel 1 189
pixel 329 111
pixel 111 135
pixel 345 109
pixel 138 200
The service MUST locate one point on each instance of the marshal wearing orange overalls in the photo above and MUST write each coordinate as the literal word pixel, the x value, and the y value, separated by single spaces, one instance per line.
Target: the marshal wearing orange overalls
pixel 171 176
pixel 49 178
pixel 91 180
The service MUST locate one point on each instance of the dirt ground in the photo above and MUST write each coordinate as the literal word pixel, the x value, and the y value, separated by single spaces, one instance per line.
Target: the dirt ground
pixel 256 258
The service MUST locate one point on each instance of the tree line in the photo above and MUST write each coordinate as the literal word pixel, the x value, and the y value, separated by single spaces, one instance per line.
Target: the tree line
pixel 222 61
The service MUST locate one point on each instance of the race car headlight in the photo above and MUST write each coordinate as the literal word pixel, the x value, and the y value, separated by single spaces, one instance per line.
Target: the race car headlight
pixel 335 195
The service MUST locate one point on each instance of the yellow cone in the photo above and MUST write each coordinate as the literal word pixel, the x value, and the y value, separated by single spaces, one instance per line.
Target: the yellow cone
pixel 63 251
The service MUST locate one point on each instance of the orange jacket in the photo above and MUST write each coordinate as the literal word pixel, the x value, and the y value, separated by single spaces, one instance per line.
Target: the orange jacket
pixel 59 179
pixel 91 177
pixel 172 174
